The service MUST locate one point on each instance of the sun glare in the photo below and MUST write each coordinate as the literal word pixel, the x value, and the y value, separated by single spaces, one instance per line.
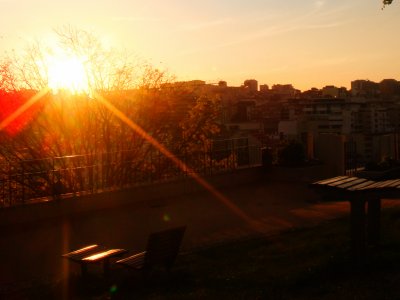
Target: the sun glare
pixel 67 73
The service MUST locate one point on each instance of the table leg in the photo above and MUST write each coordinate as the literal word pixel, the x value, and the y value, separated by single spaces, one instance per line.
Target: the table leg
pixel 357 216
pixel 374 221
pixel 106 266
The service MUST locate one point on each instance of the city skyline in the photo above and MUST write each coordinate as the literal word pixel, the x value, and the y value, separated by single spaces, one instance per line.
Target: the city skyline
pixel 197 81
pixel 308 43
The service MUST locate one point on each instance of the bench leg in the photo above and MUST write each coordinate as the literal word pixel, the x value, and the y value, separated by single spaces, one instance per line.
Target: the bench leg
pixel 357 216
pixel 84 270
pixel 374 221
pixel 106 267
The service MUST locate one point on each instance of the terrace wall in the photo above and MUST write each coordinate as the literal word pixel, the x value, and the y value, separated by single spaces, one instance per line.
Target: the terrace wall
pixel 73 205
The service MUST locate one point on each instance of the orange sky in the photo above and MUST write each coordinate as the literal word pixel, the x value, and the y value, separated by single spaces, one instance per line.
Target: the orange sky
pixel 304 42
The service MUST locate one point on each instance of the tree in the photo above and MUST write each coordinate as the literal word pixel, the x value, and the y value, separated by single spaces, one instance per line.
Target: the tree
pixel 105 151
pixel 386 2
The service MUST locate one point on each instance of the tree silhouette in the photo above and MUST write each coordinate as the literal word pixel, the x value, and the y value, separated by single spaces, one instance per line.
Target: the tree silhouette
pixel 386 2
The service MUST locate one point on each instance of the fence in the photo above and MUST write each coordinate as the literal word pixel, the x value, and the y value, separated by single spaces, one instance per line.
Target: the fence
pixel 46 179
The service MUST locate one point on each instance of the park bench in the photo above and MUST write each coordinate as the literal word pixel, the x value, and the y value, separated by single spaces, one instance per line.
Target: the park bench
pixel 161 251
pixel 93 254
pixel 362 193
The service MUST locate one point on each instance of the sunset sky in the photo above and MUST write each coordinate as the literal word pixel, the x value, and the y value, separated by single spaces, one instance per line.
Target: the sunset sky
pixel 304 42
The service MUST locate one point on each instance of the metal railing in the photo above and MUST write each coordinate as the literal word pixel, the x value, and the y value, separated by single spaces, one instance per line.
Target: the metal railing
pixel 27 181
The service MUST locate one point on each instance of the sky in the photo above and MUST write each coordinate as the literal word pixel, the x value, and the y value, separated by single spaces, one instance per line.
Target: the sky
pixel 308 43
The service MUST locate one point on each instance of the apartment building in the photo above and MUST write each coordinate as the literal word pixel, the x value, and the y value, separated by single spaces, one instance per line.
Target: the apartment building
pixel 368 124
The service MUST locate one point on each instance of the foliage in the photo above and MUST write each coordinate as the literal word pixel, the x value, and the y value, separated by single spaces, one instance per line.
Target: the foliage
pixel 386 2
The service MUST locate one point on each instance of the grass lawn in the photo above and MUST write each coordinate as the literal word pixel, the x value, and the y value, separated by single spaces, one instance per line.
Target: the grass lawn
pixel 309 263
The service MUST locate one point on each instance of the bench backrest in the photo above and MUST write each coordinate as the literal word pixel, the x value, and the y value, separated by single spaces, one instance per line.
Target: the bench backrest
pixel 163 247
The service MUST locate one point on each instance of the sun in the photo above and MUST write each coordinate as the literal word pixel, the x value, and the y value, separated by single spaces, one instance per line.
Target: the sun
pixel 67 73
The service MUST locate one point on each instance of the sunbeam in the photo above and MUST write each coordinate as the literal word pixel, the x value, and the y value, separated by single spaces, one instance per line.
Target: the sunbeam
pixel 223 199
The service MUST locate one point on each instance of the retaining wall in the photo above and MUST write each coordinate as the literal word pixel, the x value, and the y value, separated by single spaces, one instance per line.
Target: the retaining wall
pixel 84 204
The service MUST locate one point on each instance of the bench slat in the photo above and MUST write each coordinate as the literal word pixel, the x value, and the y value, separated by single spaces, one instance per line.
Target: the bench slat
pixel 395 183
pixel 329 180
pixel 378 184
pixel 82 250
pixel 134 261
pixel 363 185
pixel 77 255
pixel 104 254
pixel 340 182
pixel 351 183
pixel 388 183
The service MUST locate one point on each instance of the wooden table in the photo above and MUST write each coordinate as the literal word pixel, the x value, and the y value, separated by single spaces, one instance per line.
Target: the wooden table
pixel 362 193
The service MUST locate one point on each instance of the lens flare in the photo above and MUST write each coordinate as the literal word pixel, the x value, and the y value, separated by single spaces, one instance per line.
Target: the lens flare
pixel 254 224
pixel 166 218
pixel 16 118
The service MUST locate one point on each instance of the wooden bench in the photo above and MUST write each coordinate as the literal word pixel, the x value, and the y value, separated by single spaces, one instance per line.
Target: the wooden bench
pixel 161 250
pixel 93 254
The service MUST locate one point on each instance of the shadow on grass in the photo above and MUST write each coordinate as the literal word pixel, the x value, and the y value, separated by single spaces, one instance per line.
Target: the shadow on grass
pixel 309 263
